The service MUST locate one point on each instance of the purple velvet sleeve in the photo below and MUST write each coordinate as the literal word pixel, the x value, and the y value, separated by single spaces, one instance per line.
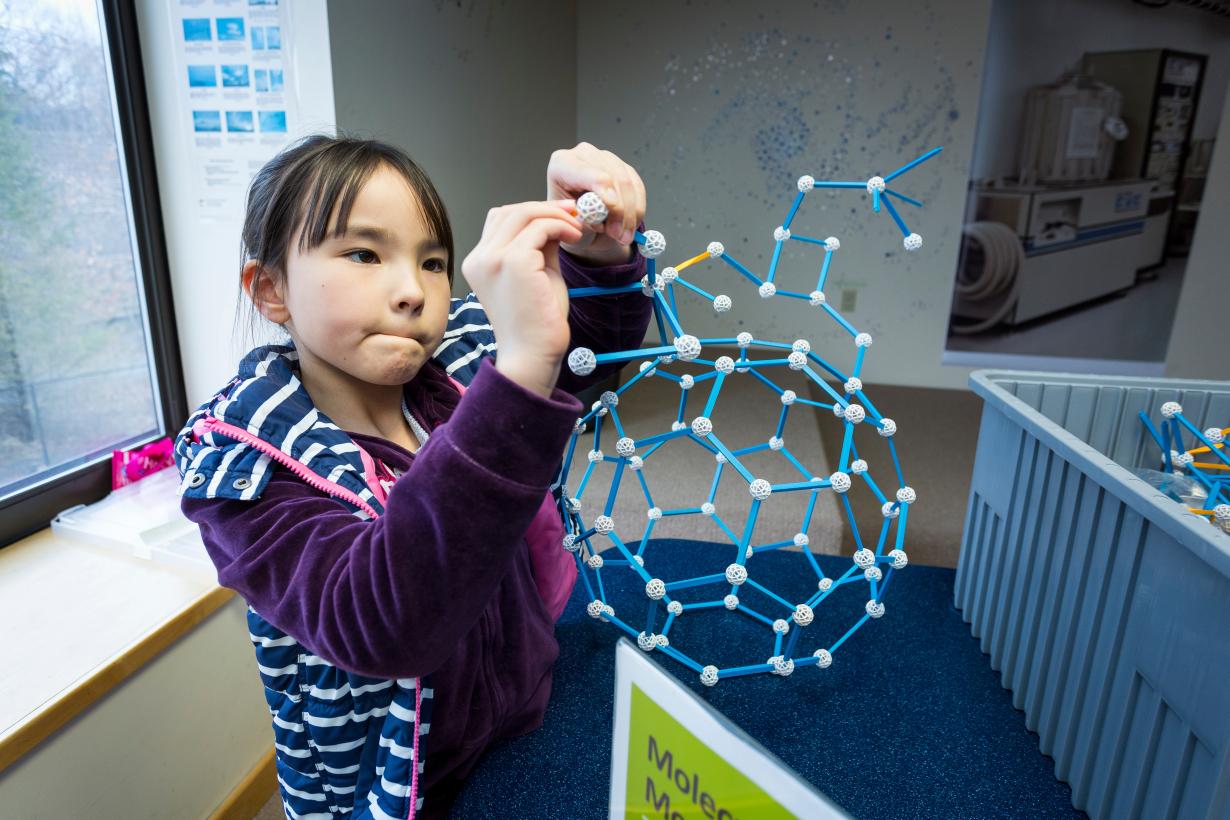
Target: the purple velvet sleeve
pixel 604 324
pixel 392 596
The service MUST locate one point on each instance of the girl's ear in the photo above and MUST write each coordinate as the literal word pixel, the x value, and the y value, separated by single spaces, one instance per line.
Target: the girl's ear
pixel 265 291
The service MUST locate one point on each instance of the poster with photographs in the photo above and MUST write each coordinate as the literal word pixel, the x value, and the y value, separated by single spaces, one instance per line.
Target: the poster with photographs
pixel 232 61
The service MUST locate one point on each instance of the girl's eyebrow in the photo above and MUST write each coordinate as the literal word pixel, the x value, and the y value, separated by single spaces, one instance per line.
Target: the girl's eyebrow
pixel 370 232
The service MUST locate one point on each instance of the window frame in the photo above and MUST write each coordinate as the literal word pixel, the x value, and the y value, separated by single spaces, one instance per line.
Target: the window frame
pixel 32 509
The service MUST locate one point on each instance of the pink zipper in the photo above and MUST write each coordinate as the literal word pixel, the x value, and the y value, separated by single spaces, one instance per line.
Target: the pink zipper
pixel 211 424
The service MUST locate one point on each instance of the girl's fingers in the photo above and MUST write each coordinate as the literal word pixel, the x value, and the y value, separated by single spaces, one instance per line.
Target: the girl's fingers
pixel 505 223
pixel 627 210
pixel 540 232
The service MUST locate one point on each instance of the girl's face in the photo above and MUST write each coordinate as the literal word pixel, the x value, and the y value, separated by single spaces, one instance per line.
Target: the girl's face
pixel 372 303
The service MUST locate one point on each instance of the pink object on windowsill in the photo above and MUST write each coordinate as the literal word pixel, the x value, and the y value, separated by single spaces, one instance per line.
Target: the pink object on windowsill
pixel 128 466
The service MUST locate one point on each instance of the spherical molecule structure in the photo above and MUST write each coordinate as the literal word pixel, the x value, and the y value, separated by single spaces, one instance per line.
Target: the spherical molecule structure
pixel 792 628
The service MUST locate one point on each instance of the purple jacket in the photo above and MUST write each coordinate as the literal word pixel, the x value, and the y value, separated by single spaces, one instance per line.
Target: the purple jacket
pixel 442 584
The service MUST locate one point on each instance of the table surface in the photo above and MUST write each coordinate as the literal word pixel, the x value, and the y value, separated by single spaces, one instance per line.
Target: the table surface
pixel 909 721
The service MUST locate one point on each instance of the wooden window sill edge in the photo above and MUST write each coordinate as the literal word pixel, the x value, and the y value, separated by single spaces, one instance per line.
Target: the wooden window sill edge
pixel 25 734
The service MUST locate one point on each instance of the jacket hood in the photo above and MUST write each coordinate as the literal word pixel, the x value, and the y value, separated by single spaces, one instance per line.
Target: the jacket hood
pixel 265 400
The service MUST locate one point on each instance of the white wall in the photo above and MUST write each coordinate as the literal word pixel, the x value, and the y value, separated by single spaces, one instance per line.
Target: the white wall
pixel 722 105
pixel 172 741
pixel 205 255
pixel 1032 42
pixel 479 93
pixel 1200 339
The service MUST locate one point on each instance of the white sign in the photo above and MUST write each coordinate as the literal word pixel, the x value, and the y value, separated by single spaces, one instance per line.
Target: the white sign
pixel 675 756
pixel 235 91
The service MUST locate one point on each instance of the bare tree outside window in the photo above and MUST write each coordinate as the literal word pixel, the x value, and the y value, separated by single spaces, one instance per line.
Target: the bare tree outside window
pixel 76 374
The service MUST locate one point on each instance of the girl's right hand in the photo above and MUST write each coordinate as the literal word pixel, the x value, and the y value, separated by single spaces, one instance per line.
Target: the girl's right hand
pixel 514 271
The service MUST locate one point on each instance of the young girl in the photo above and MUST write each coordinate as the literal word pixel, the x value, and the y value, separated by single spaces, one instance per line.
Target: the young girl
pixel 392 531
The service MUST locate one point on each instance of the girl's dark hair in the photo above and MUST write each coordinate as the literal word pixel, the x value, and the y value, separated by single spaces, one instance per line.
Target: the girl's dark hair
pixel 299 189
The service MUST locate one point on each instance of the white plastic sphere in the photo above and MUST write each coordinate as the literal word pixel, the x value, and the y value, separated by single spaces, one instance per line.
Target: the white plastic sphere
pixel 839 409
pixel 816 298
pixel 716 249
pixel 582 361
pixel 574 504
pixel 760 489
pixel 803 615
pixel 853 384
pixel 675 608
pixel 781 234
pixel 655 243
pixel 875 609
pixel 875 184
pixel 900 559
pixel 643 366
pixel 858 466
pixel 1171 409
pixel 595 456
pixel 594 608
pixel 646 642
pixel 824 584
pixel 806 183
pixel 906 495
pixel 570 543
pixel 721 303
pixel 609 398
pixel 669 275
pixel 863 340
pixel 594 562
pixel 826 658
pixel 731 602
pixel 864 558
pixel 654 513
pixel 1222 512
pixel 872 574
pixel 781 626
pixel 782 666
pixel 776 443
pixel 889 510
pixel 1181 459
pixel 719 458
pixel 1214 435
pixel 639 559
pixel 707 508
pixel 736 574
pixel 591 209
pixel 832 244
pixel 788 397
pixel 855 413
pixel 625 446
pixel 767 290
pixel 686 382
pixel 702 426
pixel 676 426
pixel 604 524
pixel 724 364
pixel 688 347
pixel 912 242
pixel 840 481
pixel 887 428
pixel 709 675
pixel 797 360
pixel 801 345
pixel 635 463
pixel 655 589
pixel 743 339
pixel 801 540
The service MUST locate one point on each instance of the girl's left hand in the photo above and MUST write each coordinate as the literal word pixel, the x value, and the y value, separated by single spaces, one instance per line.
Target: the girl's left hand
pixel 573 171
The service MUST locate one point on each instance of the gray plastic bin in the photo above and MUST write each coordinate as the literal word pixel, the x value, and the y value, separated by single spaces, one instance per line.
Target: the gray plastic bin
pixel 1104 605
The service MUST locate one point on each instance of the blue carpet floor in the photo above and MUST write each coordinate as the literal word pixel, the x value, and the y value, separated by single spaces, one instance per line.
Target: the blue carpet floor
pixel 909 721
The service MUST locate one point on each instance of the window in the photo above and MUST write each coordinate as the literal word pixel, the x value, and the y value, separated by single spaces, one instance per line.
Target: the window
pixel 89 361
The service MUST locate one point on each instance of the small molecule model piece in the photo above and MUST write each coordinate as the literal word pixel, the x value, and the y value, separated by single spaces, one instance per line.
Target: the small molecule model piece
pixel 792 629
pixel 1207 461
